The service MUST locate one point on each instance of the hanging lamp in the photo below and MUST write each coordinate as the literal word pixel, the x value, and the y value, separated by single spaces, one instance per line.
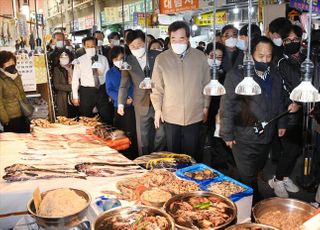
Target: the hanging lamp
pixel 147 83
pixel 214 87
pixel 248 86
pixel 305 91
pixel 124 65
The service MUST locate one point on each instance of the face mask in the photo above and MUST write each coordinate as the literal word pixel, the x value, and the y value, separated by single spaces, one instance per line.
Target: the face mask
pixel 52 46
pixel 90 51
pixel 241 44
pixel 292 48
pixel 100 43
pixel 64 61
pixel 231 42
pixel 138 52
pixel 118 63
pixel 69 48
pixel 179 48
pixel 11 69
pixel 277 41
pixel 115 42
pixel 59 44
pixel 261 66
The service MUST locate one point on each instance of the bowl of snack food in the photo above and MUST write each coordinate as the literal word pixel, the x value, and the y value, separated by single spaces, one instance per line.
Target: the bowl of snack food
pixel 134 217
pixel 201 210
pixel 251 226
pixel 60 208
pixel 154 197
pixel 282 213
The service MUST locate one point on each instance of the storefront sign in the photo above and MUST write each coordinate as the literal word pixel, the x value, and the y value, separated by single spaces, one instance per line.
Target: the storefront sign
pixel 89 22
pixel 40 69
pixel 235 1
pixel 114 14
pixel 173 6
pixel 25 67
pixel 303 4
pixel 138 19
pixel 207 19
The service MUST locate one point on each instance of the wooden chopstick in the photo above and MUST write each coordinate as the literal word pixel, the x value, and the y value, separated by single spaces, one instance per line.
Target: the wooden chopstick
pixel 14 214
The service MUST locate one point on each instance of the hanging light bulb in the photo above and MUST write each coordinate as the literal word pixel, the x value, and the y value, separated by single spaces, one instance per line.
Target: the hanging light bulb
pixel 248 86
pixel 125 65
pixel 214 87
pixel 305 91
pixel 147 82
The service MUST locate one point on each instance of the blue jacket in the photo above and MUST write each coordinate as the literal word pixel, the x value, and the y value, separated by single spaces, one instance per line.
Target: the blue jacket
pixel 113 78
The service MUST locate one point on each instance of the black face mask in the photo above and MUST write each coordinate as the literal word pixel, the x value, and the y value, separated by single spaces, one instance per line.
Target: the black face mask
pixel 11 69
pixel 261 66
pixel 292 48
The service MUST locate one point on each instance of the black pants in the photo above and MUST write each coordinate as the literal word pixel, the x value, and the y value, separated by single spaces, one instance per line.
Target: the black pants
pixel 91 97
pixel 127 123
pixel 250 159
pixel 291 144
pixel 183 139
pixel 18 125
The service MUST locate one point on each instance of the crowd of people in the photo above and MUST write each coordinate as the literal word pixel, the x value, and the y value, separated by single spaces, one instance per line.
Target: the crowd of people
pixel 175 115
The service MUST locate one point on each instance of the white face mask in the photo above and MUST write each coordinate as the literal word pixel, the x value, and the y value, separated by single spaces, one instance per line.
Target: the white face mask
pixel 118 63
pixel 59 44
pixel 241 44
pixel 115 42
pixel 90 51
pixel 138 52
pixel 100 43
pixel 69 48
pixel 277 41
pixel 52 46
pixel 231 42
pixel 212 61
pixel 179 48
pixel 64 61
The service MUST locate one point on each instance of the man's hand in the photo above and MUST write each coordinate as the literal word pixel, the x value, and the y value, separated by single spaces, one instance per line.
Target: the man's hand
pixel 293 107
pixel 129 101
pixel 205 115
pixel 76 102
pixel 230 143
pixel 157 117
pixel 120 110
pixel 281 132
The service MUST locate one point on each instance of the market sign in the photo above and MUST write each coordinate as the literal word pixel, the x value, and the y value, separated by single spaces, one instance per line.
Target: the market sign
pixel 113 15
pixel 303 4
pixel 206 19
pixel 173 6
pixel 138 19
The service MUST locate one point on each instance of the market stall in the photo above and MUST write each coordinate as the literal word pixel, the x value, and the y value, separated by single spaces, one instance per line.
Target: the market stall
pixel 65 155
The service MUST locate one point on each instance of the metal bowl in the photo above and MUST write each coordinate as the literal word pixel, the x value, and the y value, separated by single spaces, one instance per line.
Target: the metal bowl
pixel 233 218
pixel 284 205
pixel 158 204
pixel 248 226
pixel 64 222
pixel 104 219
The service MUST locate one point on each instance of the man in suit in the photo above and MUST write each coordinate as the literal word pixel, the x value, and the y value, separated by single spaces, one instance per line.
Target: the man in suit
pixel 149 138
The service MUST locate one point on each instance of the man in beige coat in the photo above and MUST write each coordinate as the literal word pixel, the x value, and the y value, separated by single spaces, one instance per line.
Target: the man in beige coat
pixel 180 74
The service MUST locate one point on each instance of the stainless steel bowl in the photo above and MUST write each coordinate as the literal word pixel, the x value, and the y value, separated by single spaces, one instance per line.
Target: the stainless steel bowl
pixel 284 205
pixel 248 226
pixel 64 222
pixel 233 218
pixel 104 219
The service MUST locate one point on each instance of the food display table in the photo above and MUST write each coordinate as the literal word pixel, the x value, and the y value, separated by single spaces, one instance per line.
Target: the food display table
pixel 63 152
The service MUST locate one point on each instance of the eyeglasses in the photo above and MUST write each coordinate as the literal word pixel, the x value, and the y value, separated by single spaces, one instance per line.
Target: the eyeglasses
pixel 288 40
pixel 230 36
